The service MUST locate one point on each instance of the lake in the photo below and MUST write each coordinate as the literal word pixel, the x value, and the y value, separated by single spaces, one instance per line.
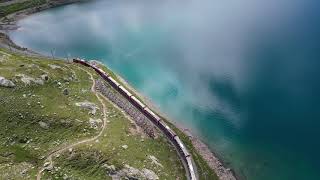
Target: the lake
pixel 243 76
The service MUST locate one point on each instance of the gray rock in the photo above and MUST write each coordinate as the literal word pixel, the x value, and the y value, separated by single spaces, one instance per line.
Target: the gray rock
pixel 43 125
pixel 125 146
pixel 94 123
pixel 6 83
pixel 24 172
pixel 88 105
pixel 52 66
pixel 129 172
pixel 110 169
pixel 155 161
pixel 66 91
pixel 38 81
pixel 46 164
pixel 148 174
pixel 45 77
pixel 27 80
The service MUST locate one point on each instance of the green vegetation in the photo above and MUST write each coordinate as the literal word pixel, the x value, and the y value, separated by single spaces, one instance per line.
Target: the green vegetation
pixel 38 117
pixel 88 160
pixel 5 10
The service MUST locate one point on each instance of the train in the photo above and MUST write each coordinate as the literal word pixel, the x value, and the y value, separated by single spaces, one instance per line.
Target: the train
pixel 172 136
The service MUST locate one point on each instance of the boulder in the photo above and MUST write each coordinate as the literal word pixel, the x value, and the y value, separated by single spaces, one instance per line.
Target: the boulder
pixel 45 77
pixel 110 169
pixel 66 91
pixel 148 174
pixel 129 172
pixel 155 161
pixel 94 123
pixel 52 66
pixel 27 80
pixel 88 105
pixel 6 83
pixel 125 146
pixel 43 125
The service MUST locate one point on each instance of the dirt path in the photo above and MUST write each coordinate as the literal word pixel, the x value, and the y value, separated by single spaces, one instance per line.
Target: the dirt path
pixel 58 151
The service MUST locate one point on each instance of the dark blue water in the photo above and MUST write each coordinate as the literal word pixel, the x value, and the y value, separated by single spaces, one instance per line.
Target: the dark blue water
pixel 243 75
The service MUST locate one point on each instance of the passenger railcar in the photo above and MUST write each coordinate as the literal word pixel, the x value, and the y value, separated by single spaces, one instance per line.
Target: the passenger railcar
pixel 183 149
pixel 137 102
pixel 113 82
pixel 191 168
pixel 152 115
pixel 101 72
pixel 81 61
pixel 164 127
pixel 125 92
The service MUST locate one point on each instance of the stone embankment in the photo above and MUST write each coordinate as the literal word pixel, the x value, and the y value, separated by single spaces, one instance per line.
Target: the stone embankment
pixel 140 119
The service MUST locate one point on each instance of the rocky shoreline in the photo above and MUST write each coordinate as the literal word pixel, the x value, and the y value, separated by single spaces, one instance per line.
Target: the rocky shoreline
pixel 9 23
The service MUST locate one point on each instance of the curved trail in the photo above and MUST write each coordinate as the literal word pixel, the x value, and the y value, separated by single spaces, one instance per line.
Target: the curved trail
pixel 58 151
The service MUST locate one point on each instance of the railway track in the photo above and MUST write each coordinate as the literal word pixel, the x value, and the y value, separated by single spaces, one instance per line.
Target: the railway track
pixel 153 117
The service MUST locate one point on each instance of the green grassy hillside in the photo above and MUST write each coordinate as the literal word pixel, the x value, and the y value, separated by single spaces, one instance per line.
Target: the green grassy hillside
pixel 5 10
pixel 40 115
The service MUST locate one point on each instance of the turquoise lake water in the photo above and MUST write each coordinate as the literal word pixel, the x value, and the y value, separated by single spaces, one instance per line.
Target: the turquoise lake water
pixel 242 75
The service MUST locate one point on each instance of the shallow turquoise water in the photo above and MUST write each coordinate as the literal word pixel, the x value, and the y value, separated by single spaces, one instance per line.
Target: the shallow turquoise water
pixel 244 76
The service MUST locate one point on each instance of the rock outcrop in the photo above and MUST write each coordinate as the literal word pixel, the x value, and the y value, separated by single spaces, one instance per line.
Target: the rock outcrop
pixel 6 83
pixel 27 80
pixel 88 105
pixel 129 172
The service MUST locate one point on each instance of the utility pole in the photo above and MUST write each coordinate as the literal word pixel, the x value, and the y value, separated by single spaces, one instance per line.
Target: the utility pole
pixel 67 55
pixel 52 54
pixel 9 42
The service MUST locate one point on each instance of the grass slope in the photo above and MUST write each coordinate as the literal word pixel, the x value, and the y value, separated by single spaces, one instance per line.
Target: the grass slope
pixel 6 10
pixel 25 143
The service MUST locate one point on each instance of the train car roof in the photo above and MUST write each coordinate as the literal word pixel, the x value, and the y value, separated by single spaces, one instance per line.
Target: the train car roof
pixel 114 81
pixel 168 128
pixel 152 113
pixel 184 149
pixel 191 169
pixel 125 90
pixel 138 101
